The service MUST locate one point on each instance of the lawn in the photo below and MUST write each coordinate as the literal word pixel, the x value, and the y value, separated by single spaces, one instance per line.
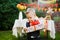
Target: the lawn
pixel 7 35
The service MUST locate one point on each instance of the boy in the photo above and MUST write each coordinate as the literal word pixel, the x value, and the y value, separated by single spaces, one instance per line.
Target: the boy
pixel 32 21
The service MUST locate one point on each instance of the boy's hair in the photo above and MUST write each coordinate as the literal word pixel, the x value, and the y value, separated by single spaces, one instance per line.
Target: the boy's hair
pixel 27 12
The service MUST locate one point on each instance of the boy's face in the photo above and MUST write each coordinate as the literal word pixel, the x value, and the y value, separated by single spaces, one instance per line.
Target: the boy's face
pixel 29 17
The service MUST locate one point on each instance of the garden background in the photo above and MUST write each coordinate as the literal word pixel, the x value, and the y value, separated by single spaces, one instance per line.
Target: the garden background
pixel 8 14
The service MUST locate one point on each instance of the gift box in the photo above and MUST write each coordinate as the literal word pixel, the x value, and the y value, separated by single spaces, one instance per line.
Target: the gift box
pixel 30 29
pixel 34 28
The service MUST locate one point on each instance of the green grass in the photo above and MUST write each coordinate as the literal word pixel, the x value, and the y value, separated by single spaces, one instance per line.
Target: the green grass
pixel 58 36
pixel 7 35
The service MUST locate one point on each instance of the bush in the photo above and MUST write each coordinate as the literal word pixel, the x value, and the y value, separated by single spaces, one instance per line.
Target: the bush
pixel 8 13
pixel 57 19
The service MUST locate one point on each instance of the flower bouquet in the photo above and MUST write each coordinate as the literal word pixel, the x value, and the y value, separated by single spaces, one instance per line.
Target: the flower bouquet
pixel 22 7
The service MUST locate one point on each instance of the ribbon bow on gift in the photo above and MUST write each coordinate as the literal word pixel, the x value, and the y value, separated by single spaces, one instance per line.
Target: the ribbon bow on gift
pixel 33 23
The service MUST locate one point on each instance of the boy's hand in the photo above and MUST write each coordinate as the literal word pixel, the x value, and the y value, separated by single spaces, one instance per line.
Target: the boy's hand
pixel 25 29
